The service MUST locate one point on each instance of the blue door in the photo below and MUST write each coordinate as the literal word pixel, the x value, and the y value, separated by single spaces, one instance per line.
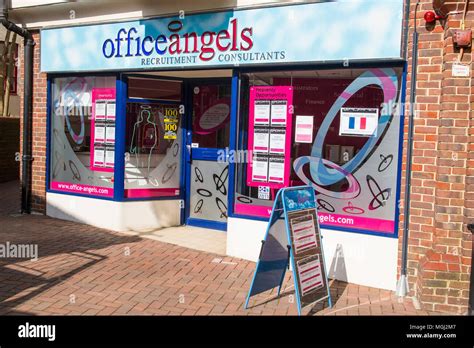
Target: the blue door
pixel 207 143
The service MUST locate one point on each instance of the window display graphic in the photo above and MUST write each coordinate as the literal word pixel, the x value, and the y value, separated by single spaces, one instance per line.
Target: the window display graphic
pixel 152 151
pixel 75 102
pixel 354 175
pixel 358 121
pixel 269 107
pixel 214 118
pixel 103 129
pixel 146 120
pixel 297 241
pixel 320 172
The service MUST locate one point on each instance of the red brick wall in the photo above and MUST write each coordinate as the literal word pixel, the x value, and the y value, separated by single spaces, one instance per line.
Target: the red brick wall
pixel 9 147
pixel 39 127
pixel 439 252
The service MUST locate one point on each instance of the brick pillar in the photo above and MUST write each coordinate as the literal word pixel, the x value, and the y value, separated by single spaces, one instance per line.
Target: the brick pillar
pixel 439 257
pixel 38 198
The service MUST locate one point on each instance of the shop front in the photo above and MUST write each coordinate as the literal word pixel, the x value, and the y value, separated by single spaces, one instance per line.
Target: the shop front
pixel 200 119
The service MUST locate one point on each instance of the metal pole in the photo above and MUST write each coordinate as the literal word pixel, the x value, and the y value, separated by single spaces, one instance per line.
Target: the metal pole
pixel 402 285
pixel 27 128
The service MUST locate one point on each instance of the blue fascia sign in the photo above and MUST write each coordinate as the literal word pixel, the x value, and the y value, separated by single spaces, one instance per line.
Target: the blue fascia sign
pixel 317 32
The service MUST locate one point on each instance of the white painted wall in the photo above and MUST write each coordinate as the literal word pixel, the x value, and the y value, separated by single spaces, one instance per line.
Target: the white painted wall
pixel 138 216
pixel 351 257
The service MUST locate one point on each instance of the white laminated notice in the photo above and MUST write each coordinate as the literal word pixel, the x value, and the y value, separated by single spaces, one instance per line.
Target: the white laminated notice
pixel 276 169
pixel 109 157
pixel 99 156
pixel 277 141
pixel 110 134
pixel 260 168
pixel 110 111
pixel 279 113
pixel 99 133
pixel 262 112
pixel 260 140
pixel 99 111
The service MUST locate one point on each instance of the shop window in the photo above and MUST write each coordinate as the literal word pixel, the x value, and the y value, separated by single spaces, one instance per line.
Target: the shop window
pixel 83 135
pixel 344 142
pixel 156 89
pixel 153 143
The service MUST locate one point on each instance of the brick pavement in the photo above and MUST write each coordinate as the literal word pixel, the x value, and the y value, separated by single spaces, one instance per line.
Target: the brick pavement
pixel 84 270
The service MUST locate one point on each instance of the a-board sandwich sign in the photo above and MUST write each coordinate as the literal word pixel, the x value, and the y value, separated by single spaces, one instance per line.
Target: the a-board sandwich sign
pixel 293 236
pixel 306 245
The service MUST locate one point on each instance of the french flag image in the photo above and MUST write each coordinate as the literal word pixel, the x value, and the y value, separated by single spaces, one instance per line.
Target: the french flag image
pixel 358 123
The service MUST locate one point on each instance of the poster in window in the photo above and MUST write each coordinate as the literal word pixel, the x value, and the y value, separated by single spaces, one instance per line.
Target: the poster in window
pixel 277 141
pixel 359 122
pixel 260 168
pixel 276 169
pixel 99 156
pixel 279 113
pixel 260 143
pixel 100 110
pixel 99 132
pixel 304 129
pixel 262 112
pixel 171 119
pixel 110 134
pixel 110 110
pixel 109 157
